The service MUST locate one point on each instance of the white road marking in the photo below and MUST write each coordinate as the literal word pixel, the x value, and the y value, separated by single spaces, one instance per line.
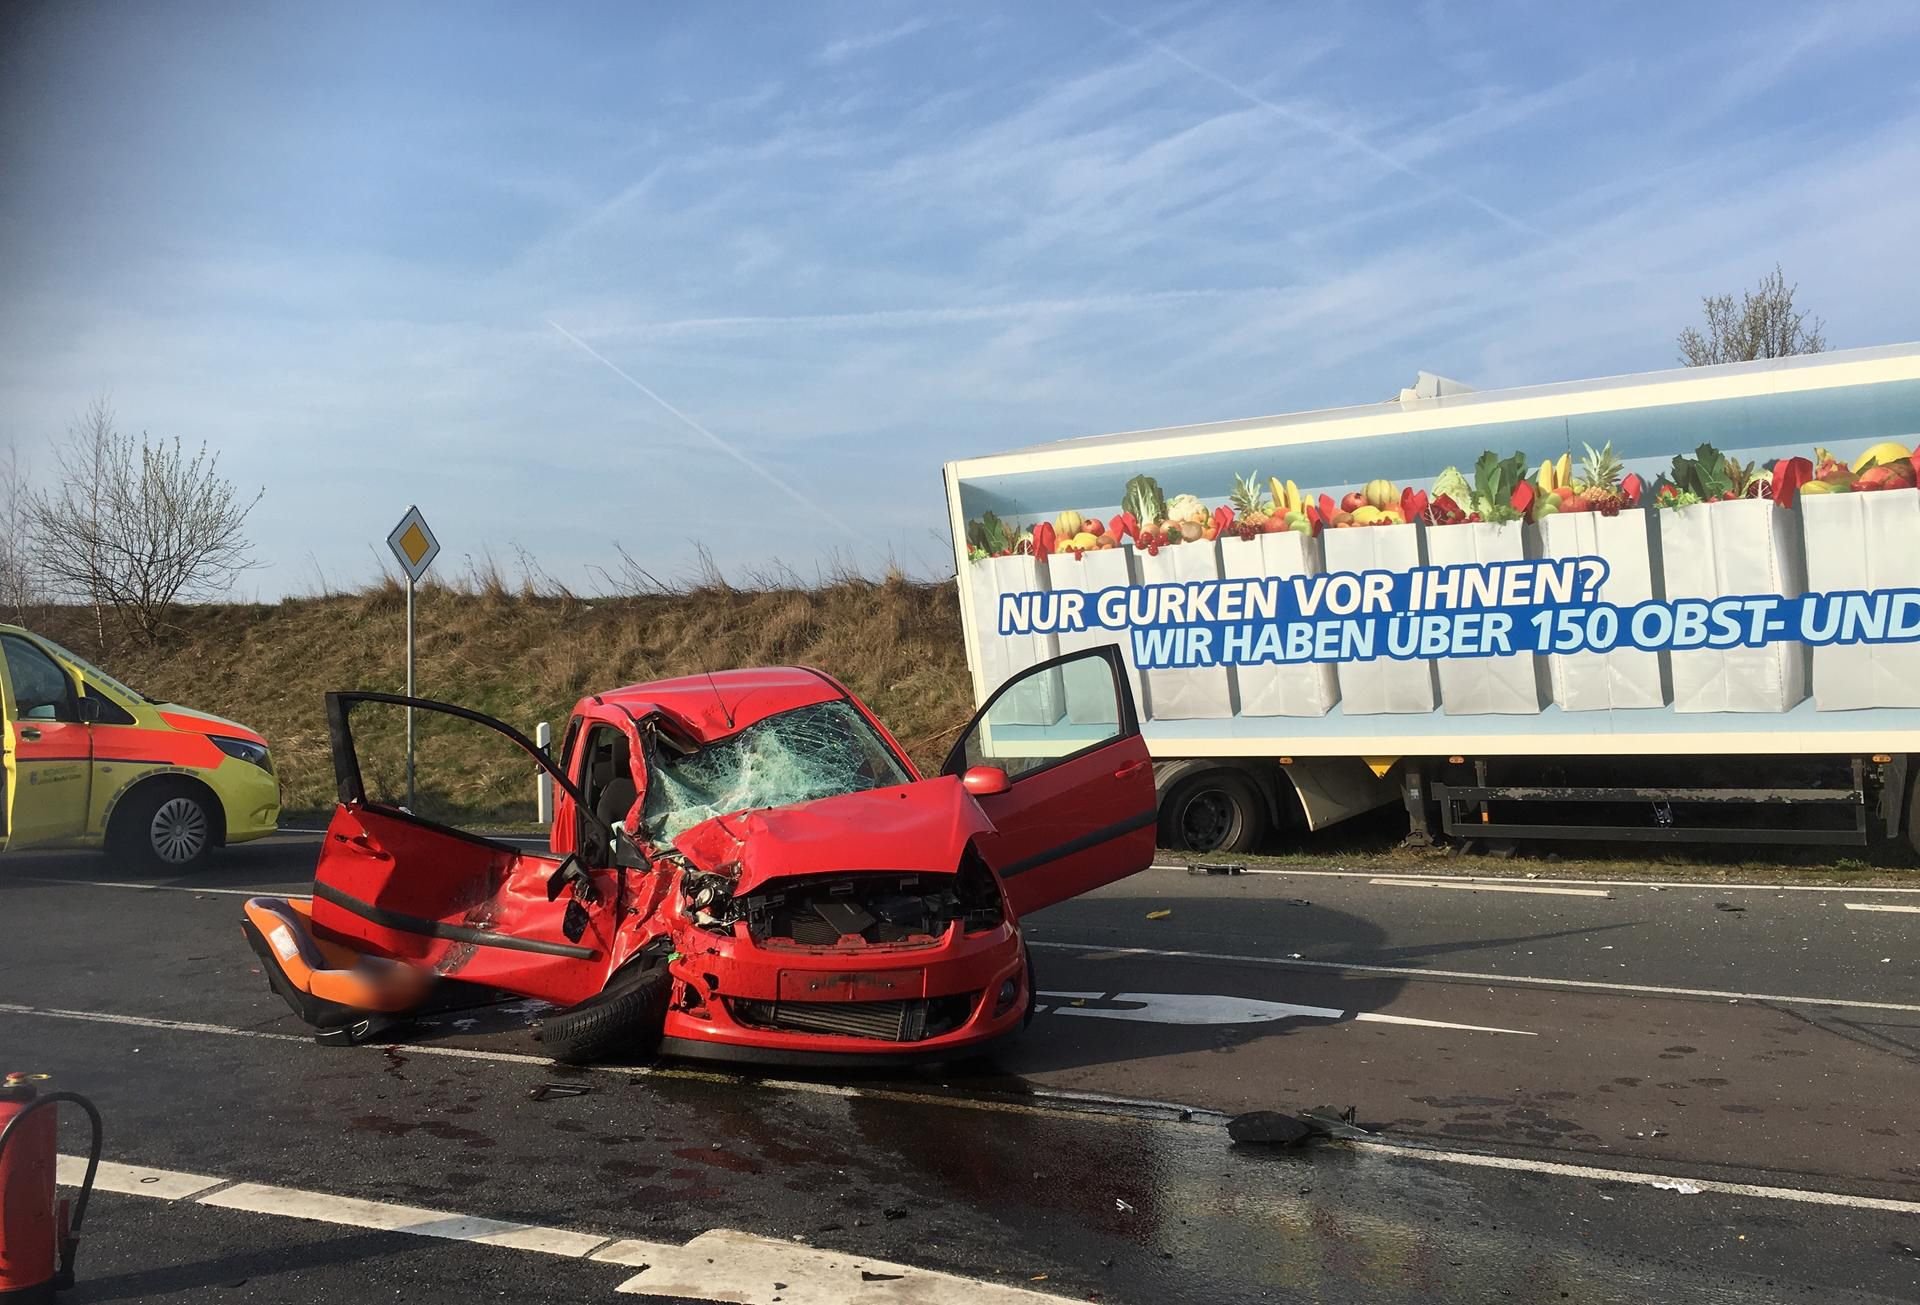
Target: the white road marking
pixel 1882 906
pixel 351 1212
pixel 135 1180
pixel 750 1270
pixel 1414 972
pixel 1052 1101
pixel 1185 1008
pixel 1482 886
pixel 155 888
pixel 717 1265
pixel 1592 1173
pixel 1697 885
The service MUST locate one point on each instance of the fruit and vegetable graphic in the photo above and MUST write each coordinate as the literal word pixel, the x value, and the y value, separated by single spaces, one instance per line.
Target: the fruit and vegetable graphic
pixel 1502 489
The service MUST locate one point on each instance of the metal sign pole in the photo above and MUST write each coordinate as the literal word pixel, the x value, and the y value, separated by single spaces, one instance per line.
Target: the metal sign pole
pixel 414 547
pixel 409 692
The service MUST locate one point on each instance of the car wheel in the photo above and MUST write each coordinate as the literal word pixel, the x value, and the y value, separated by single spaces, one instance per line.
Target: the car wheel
pixel 1033 989
pixel 1219 811
pixel 164 827
pixel 625 1019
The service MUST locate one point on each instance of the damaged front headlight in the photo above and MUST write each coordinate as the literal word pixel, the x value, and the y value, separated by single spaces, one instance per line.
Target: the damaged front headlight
pixel 708 901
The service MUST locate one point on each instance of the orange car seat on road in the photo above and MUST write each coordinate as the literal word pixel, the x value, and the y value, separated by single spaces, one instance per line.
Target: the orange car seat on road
pixel 331 987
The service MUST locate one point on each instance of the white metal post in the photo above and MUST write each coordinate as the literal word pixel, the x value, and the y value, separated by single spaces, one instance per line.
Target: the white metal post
pixel 543 783
pixel 409 692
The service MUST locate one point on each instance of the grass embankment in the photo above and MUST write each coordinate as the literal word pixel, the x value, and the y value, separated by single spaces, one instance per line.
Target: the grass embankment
pixel 525 658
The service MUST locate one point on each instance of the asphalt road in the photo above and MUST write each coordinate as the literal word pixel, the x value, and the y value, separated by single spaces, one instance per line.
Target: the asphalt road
pixel 1531 1062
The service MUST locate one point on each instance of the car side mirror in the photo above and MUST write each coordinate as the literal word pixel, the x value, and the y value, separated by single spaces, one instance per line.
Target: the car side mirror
pixel 985 781
pixel 90 711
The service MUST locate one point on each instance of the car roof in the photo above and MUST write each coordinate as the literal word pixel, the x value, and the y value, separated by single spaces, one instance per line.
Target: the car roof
pixel 712 706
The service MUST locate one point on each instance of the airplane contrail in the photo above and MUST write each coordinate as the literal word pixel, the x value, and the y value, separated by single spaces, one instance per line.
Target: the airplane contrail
pixel 725 447
pixel 1349 139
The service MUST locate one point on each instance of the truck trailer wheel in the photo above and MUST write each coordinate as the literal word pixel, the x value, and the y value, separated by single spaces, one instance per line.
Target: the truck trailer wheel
pixel 1913 800
pixel 625 1019
pixel 1216 811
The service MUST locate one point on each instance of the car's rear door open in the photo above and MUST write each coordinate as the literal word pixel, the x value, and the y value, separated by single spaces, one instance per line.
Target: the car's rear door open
pixel 1078 809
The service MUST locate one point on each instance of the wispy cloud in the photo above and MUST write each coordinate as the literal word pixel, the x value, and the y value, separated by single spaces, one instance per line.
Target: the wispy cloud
pixel 843 48
pixel 820 281
pixel 1301 117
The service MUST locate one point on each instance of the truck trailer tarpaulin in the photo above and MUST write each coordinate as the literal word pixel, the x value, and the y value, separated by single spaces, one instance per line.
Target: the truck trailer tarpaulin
pixel 1715 562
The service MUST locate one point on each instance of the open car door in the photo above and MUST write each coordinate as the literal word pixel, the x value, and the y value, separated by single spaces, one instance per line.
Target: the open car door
pixel 1078 810
pixel 396 883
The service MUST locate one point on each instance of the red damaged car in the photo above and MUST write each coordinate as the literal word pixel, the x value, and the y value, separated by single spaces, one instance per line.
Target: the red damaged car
pixel 743 865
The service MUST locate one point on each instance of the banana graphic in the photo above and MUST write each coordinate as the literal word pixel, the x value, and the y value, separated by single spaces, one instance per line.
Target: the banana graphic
pixel 1563 474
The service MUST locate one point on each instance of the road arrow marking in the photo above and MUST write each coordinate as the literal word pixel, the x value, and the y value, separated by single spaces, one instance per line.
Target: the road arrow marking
pixel 1203 1008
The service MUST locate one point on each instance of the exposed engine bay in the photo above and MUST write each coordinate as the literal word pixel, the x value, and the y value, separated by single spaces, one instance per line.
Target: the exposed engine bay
pixel 871 908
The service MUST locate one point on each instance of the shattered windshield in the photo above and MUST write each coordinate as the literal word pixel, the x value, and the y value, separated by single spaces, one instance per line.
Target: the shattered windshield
pixel 810 752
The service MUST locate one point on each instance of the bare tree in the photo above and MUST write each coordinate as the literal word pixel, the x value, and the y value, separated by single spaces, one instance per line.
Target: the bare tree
pixel 16 568
pixel 1764 324
pixel 138 527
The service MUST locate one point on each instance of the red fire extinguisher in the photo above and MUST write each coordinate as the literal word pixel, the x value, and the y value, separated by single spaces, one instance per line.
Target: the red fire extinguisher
pixel 37 1239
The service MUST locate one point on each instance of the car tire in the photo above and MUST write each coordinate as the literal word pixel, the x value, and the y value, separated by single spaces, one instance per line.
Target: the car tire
pixel 1216 811
pixel 1033 988
pixel 625 1019
pixel 165 826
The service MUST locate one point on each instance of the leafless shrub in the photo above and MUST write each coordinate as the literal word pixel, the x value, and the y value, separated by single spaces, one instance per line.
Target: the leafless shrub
pixel 136 527
pixel 17 587
pixel 1764 324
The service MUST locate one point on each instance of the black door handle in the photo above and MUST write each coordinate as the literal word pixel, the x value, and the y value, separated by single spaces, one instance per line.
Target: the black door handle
pixel 30 734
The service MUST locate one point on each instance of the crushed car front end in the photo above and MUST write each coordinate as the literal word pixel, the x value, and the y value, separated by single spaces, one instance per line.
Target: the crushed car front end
pixel 798 937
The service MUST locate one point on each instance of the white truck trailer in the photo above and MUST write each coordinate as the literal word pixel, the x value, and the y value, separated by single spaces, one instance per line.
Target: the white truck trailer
pixel 1710 633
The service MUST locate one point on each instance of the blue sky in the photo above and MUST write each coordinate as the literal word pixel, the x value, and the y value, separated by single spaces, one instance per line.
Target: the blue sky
pixel 383 254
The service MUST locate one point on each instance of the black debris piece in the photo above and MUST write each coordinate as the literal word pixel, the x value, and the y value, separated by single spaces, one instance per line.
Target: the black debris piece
pixel 867 1275
pixel 1335 1122
pixel 542 1091
pixel 1216 868
pixel 894 1212
pixel 1271 1128
pixel 1727 906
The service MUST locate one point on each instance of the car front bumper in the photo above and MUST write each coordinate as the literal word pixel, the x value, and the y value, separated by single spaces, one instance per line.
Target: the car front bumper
pixel 750 997
pixel 250 798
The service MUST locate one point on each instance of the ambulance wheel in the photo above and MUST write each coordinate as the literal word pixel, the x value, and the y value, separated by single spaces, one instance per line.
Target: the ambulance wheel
pixel 625 1020
pixel 165 825
pixel 1217 811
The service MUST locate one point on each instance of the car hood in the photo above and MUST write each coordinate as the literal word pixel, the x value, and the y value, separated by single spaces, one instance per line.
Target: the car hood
pixel 205 722
pixel 923 826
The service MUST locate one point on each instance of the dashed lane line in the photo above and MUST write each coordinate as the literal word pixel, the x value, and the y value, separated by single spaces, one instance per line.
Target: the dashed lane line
pixel 1414 972
pixel 1690 1186
pixel 1696 885
pixel 1882 906
pixel 148 888
pixel 1482 886
pixel 1100 1107
pixel 717 1265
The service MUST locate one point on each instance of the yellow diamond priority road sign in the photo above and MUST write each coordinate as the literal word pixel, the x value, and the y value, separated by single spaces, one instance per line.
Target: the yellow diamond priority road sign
pixel 413 544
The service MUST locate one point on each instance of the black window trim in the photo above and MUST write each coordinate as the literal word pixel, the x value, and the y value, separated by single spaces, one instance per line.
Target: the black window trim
pixel 72 704
pixel 351 789
pixel 1129 727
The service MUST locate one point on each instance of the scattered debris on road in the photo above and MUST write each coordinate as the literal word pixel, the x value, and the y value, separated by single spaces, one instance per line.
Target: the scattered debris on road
pixel 1122 1206
pixel 1216 868
pixel 1159 915
pixel 542 1091
pixel 1684 1188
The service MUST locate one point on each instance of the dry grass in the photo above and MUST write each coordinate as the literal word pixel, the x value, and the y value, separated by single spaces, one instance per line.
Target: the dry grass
pixel 528 652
